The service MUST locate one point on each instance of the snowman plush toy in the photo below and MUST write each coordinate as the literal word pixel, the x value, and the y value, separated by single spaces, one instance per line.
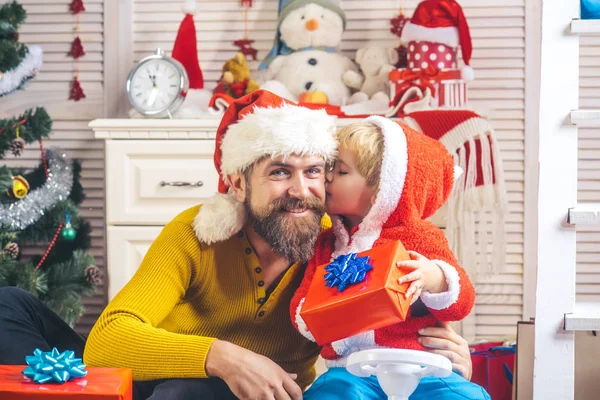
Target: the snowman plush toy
pixel 304 63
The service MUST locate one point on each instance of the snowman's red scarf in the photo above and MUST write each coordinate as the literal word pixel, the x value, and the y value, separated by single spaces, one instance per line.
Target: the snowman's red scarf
pixel 478 204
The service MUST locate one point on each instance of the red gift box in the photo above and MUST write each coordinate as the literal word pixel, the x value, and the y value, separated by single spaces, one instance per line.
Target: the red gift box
pixel 479 347
pixel 493 370
pixel 423 54
pixel 376 302
pixel 98 384
pixel 447 88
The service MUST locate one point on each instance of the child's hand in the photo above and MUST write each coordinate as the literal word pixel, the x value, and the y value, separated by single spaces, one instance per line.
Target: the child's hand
pixel 426 276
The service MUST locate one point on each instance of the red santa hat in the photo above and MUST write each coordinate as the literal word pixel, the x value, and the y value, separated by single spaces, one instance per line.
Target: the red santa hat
pixel 185 48
pixel 441 21
pixel 260 124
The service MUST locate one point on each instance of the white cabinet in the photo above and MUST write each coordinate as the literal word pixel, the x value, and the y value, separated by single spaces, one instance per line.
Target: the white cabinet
pixel 126 248
pixel 148 182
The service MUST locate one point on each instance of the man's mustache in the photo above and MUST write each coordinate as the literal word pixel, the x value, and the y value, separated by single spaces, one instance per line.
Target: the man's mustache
pixel 292 203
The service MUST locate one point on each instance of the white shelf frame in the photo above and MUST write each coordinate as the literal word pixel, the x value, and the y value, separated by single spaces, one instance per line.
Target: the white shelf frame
pixel 584 214
pixel 585 26
pixel 586 317
pixel 585 118
pixel 557 192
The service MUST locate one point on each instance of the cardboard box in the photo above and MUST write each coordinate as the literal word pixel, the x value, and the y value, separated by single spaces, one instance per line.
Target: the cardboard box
pixel 376 302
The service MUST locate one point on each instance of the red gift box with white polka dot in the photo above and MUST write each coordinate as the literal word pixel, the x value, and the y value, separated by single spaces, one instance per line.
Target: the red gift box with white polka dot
pixel 432 65
pixel 423 54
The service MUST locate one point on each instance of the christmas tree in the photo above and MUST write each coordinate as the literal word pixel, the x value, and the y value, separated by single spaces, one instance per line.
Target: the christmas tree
pixel 18 63
pixel 39 208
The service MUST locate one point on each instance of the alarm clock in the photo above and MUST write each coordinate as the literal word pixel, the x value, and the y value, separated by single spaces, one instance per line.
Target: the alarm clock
pixel 157 85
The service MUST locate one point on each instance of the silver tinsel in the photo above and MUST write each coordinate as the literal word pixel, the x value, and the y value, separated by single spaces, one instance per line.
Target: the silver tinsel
pixel 19 215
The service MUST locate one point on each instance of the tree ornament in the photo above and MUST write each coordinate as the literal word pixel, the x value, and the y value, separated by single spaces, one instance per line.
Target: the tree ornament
pixel 77 6
pixel 11 250
pixel 16 146
pixel 246 48
pixel 398 23
pixel 245 44
pixel 76 90
pixel 77 49
pixel 93 275
pixel 69 232
pixel 20 187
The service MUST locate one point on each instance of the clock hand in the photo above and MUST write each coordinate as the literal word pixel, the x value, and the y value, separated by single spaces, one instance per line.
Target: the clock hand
pixel 152 97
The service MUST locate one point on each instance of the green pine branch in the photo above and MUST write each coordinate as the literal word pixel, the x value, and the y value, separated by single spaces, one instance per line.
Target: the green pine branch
pixel 5 179
pixel 63 249
pixel 77 195
pixel 23 276
pixel 66 284
pixel 44 228
pixel 11 54
pixel 13 13
pixel 7 31
pixel 32 124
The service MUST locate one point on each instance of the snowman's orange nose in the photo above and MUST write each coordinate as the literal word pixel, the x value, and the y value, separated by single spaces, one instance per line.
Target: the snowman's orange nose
pixel 312 24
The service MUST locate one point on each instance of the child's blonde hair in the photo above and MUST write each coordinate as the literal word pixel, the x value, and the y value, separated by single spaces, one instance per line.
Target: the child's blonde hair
pixel 366 141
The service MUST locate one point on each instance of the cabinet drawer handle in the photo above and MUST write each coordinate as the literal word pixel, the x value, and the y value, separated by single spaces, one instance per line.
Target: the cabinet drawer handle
pixel 180 183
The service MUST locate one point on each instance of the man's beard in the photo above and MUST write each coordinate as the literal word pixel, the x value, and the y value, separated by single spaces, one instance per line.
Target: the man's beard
pixel 290 237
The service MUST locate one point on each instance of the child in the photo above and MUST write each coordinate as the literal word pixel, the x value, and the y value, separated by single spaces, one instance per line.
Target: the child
pixel 386 181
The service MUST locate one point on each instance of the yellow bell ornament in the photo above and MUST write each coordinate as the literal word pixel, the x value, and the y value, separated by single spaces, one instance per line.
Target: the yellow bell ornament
pixel 20 187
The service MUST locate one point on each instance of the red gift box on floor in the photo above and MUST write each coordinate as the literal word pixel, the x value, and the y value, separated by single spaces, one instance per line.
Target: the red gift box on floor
pixel 376 302
pixel 98 384
pixel 479 347
pixel 493 370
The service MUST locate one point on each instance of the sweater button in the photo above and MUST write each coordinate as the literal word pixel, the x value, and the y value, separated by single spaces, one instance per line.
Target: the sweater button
pixel 258 270
pixel 261 283
pixel 261 314
pixel 240 234
pixel 248 250
pixel 262 300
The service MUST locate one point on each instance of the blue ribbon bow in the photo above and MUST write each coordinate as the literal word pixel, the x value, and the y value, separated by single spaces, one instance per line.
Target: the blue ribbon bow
pixel 53 366
pixel 346 270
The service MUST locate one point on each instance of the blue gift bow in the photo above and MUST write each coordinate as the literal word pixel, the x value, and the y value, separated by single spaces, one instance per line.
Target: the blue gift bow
pixel 346 270
pixel 53 366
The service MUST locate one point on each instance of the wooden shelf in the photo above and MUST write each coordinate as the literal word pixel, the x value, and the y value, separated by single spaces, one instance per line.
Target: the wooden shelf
pixel 585 214
pixel 585 118
pixel 586 317
pixel 585 26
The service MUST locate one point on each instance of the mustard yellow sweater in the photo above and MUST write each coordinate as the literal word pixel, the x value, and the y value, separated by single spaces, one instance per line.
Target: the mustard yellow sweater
pixel 184 296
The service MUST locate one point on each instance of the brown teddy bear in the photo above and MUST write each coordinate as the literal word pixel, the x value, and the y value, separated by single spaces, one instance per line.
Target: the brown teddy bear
pixel 235 80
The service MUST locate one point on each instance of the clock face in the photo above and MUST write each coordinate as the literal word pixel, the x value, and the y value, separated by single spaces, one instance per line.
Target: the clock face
pixel 155 85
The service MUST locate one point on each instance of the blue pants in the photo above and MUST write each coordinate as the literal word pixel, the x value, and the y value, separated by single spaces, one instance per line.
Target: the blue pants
pixel 337 383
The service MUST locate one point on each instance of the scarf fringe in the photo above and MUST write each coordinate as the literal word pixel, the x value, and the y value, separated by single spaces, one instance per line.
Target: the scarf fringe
pixel 477 214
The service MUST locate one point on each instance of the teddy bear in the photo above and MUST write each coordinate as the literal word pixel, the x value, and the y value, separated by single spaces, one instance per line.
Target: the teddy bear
pixel 305 57
pixel 236 81
pixel 375 64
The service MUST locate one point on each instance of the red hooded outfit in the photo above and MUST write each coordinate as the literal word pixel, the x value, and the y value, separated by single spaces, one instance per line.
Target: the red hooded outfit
pixel 417 176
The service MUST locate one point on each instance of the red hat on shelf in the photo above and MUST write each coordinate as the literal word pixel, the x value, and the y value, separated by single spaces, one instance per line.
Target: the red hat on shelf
pixel 185 49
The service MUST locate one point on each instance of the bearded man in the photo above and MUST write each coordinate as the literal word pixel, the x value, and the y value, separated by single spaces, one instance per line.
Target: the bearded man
pixel 206 316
